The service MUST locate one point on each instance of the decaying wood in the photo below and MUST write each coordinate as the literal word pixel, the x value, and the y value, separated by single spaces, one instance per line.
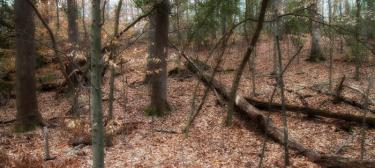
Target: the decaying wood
pixel 254 114
pixel 344 99
pixel 339 89
pixel 310 111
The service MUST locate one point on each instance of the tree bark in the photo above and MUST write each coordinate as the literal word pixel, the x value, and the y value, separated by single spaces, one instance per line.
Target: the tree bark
pixel 96 94
pixel 358 51
pixel 72 12
pixel 57 15
pixel 277 7
pixel 316 54
pixel 112 77
pixel 73 37
pixel 84 23
pixel 330 71
pixel 245 59
pixel 28 116
pixel 158 63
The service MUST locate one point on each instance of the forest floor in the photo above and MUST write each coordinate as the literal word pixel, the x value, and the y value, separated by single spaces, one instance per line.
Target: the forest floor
pixel 142 141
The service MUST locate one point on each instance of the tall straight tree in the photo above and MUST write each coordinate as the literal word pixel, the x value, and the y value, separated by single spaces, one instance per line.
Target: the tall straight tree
pixel 73 34
pixel 96 93
pixel 316 54
pixel 85 34
pixel 27 115
pixel 157 64
pixel 57 15
pixel 357 47
pixel 113 72
pixel 277 10
pixel 73 37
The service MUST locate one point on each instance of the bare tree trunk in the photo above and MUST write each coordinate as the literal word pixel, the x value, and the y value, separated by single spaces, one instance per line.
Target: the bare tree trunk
pixel 358 53
pixel 341 48
pixel 252 68
pixel 330 73
pixel 73 34
pixel 316 54
pixel 364 122
pixel 246 26
pixel 277 8
pixel 96 93
pixel 244 61
pixel 178 26
pixel 57 15
pixel 280 83
pixel 158 63
pixel 112 78
pixel 28 116
pixel 151 47
pixel 73 37
pixel 84 22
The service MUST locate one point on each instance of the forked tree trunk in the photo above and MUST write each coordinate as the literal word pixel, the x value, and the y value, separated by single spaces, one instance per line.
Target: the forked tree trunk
pixel 96 93
pixel 28 116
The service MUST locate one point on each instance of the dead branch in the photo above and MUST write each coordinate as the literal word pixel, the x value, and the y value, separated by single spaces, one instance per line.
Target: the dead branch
pixel 343 99
pixel 54 45
pixel 239 72
pixel 339 89
pixel 243 107
pixel 310 111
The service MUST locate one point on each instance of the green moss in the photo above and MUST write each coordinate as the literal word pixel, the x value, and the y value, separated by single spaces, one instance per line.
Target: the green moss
pixel 152 111
pixel 24 127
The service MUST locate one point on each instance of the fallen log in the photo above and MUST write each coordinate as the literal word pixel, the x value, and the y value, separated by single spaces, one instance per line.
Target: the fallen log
pixel 342 98
pixel 254 114
pixel 310 111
